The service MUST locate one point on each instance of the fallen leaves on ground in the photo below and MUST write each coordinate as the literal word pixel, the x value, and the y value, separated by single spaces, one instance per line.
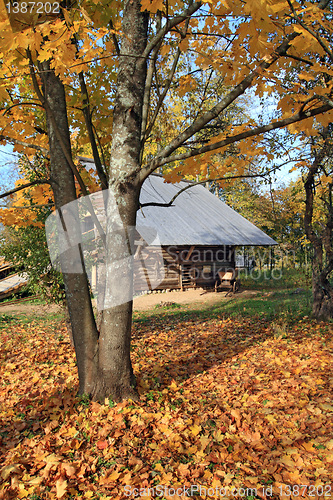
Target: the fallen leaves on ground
pixel 225 403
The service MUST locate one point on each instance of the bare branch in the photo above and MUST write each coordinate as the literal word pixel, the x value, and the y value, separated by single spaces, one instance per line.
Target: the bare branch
pixel 167 84
pixel 7 110
pixel 230 177
pixel 29 184
pixel 87 117
pixel 300 59
pixel 24 144
pixel 244 135
pixel 171 23
pixel 114 38
pixel 34 206
pixel 100 145
pixel 149 80
pixel 164 93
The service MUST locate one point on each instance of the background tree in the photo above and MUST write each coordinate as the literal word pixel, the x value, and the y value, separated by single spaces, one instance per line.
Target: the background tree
pixel 23 239
pixel 318 184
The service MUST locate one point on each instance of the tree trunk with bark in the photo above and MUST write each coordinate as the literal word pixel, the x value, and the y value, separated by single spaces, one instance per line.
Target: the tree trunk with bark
pixel 322 295
pixel 103 358
pixel 84 331
pixel 321 240
pixel 115 374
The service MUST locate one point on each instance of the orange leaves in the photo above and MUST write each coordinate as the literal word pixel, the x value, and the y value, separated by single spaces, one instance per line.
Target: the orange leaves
pixel 226 403
pixel 152 5
pixel 61 487
pixel 102 445
pixel 195 429
pixel 21 215
pixel 186 83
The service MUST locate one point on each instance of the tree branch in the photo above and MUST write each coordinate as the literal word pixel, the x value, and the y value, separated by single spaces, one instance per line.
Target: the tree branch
pixel 300 59
pixel 163 94
pixel 169 204
pixel 34 206
pixel 146 97
pixel 7 110
pixel 87 117
pixel 244 135
pixel 167 84
pixel 309 30
pixel 63 147
pixel 114 38
pixel 57 132
pixel 309 192
pixel 171 23
pixel 19 188
pixel 198 124
pixel 24 144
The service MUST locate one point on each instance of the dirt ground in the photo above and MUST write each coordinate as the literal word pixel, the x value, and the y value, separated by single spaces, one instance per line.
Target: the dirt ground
pixel 142 303
pixel 27 308
pixel 190 297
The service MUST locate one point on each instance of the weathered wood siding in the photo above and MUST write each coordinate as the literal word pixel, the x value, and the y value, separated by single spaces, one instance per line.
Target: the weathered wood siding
pixel 141 274
pixel 184 266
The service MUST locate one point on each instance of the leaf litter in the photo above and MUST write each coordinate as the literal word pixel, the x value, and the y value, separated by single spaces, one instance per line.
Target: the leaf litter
pixel 225 403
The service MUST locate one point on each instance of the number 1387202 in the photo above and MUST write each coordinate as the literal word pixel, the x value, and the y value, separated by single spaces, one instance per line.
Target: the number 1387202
pixel 311 490
pixel 33 7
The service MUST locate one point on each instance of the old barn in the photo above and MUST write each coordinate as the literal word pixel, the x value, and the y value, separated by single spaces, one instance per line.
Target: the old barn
pixel 198 234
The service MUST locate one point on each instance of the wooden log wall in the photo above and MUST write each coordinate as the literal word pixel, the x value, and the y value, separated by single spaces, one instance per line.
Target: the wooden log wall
pixel 184 266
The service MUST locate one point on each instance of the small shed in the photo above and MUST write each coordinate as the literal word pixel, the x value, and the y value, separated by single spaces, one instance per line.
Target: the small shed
pixel 10 281
pixel 198 233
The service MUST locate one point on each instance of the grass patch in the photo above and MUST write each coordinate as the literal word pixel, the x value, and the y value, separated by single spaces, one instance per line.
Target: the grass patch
pixel 276 279
pixel 49 321
pixel 272 305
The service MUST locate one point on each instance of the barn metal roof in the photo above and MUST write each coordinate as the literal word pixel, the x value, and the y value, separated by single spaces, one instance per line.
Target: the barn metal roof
pixel 197 217
pixel 12 284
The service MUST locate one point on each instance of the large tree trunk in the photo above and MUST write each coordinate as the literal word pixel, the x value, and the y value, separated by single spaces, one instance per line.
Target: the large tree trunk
pixel 82 319
pixel 322 296
pixel 115 373
pixel 322 264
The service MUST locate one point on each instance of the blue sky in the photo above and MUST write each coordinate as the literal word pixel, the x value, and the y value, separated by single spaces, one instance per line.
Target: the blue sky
pixel 8 175
pixel 262 114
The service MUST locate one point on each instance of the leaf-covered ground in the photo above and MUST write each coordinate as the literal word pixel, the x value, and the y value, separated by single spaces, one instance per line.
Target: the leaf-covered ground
pixel 241 406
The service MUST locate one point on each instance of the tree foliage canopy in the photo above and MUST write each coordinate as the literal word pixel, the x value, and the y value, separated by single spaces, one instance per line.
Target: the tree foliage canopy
pixel 201 57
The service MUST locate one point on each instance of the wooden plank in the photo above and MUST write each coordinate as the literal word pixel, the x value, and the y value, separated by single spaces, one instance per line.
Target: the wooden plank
pixel 190 252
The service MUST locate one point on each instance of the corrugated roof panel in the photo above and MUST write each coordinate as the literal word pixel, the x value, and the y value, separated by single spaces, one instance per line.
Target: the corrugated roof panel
pixel 197 217
pixel 12 282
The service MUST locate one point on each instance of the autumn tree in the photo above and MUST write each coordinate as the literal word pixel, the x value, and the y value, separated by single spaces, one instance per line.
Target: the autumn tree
pixel 23 241
pixel 318 219
pixel 105 73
